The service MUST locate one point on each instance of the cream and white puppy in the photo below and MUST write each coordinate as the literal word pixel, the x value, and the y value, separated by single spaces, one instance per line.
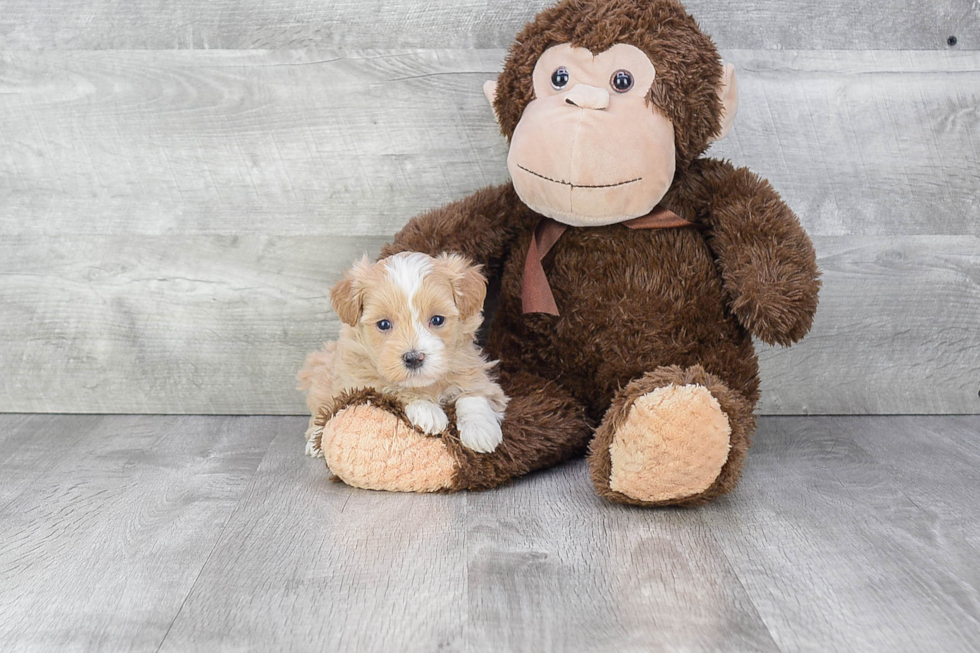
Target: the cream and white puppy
pixel 409 329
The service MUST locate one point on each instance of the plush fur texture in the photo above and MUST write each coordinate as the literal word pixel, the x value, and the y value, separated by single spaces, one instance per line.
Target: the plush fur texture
pixel 734 406
pixel 689 70
pixel 543 426
pixel 673 444
pixel 641 310
pixel 371 448
pixel 586 154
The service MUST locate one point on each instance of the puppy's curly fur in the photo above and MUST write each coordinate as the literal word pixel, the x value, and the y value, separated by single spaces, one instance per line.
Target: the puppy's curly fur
pixel 406 293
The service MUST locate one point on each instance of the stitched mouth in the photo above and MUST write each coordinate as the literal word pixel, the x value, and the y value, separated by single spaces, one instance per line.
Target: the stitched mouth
pixel 568 183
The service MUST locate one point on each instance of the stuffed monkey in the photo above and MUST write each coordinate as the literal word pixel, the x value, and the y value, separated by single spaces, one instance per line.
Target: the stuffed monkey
pixel 633 271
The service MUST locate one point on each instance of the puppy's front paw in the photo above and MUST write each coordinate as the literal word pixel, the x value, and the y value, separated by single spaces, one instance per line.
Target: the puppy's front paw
pixel 427 416
pixel 478 424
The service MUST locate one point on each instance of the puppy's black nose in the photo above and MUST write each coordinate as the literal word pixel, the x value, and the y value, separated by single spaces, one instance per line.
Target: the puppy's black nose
pixel 413 360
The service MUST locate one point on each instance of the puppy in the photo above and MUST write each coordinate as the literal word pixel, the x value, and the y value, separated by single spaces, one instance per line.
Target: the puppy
pixel 409 328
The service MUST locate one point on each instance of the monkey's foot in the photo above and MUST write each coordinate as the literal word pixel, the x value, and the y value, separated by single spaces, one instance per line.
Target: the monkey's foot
pixel 369 447
pixel 667 443
pixel 672 445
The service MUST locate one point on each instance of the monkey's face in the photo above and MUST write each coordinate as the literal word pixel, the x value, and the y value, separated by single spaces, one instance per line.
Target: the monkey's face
pixel 590 149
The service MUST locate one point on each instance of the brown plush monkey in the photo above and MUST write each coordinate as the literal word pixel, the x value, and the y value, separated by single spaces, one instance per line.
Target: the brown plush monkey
pixel 633 271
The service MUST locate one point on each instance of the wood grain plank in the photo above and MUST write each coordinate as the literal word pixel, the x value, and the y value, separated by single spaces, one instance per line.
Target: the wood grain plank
pixel 164 324
pixel 896 331
pixel 221 324
pixel 171 221
pixel 31 444
pixel 869 143
pixel 832 552
pixel 552 567
pixel 945 488
pixel 291 143
pixel 307 142
pixel 306 564
pixel 100 551
pixel 242 24
pixel 846 533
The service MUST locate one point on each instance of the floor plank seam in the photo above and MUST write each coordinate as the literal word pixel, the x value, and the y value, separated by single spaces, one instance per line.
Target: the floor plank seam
pixel 190 590
pixel 347 500
pixel 745 591
pixel 217 541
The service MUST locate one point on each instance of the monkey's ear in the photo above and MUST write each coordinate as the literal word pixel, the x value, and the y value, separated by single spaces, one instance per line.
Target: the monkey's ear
pixel 347 295
pixel 728 92
pixel 469 284
pixel 490 90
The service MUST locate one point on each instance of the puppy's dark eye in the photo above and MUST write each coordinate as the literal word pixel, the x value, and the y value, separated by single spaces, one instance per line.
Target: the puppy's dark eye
pixel 437 320
pixel 559 78
pixel 621 81
pixel 384 325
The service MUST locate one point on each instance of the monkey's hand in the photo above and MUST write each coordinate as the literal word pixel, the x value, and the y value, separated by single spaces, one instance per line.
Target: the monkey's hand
pixel 768 264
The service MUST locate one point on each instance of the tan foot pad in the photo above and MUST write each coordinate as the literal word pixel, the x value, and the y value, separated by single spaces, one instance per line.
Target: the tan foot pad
pixel 672 445
pixel 368 447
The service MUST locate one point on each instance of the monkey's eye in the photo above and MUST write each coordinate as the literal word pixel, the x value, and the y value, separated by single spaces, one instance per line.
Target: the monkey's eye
pixel 559 78
pixel 383 325
pixel 437 320
pixel 621 81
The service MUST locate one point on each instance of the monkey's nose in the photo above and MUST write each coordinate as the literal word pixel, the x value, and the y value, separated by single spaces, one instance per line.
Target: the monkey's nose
pixel 413 359
pixel 588 97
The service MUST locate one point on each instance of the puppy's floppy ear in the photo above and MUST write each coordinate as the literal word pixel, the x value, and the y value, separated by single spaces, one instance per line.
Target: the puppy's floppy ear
pixel 469 284
pixel 347 295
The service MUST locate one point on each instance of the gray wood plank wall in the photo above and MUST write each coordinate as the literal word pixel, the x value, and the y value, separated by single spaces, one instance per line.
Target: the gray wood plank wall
pixel 171 215
pixel 278 24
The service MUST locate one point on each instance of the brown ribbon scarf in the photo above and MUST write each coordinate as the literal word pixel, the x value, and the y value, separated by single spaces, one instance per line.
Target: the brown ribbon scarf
pixel 536 295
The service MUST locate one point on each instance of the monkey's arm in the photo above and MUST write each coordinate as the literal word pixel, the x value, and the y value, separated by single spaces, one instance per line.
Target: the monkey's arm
pixel 479 226
pixel 768 264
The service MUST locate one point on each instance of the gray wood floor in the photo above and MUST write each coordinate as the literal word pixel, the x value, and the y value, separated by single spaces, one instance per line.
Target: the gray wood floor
pixel 215 533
